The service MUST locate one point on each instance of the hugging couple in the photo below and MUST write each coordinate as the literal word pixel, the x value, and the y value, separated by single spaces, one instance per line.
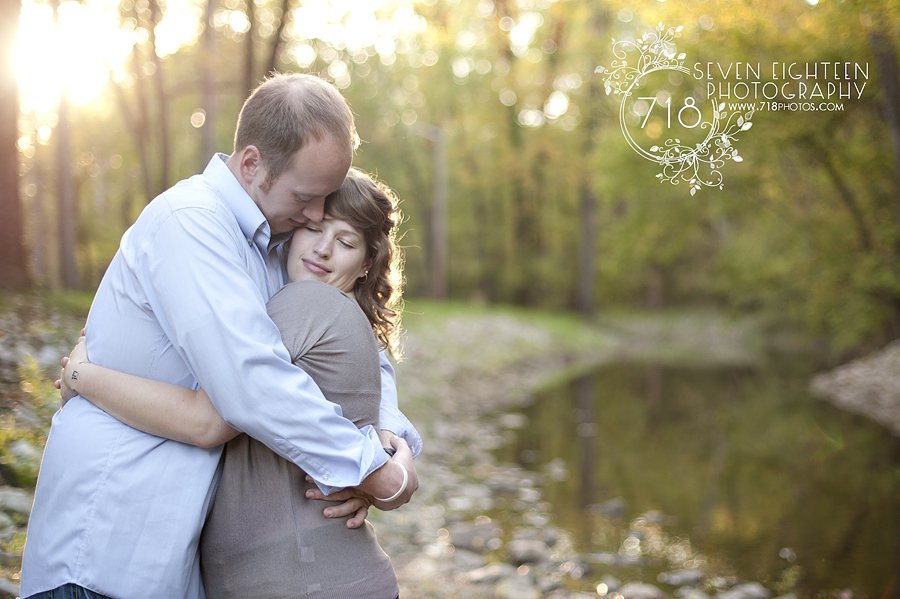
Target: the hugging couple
pixel 231 413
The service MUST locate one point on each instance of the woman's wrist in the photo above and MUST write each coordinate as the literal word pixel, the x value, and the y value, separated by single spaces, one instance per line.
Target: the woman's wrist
pixel 75 372
pixel 404 483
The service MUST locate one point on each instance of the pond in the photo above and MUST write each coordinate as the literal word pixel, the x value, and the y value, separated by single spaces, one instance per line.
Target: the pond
pixel 739 472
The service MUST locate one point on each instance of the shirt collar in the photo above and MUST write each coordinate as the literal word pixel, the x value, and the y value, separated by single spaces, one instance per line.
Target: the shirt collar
pixel 248 215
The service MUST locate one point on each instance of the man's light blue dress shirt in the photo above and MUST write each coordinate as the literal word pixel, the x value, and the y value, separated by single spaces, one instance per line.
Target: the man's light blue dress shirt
pixel 184 301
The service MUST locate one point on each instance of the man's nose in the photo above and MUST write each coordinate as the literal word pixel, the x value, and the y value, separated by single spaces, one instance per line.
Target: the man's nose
pixel 314 210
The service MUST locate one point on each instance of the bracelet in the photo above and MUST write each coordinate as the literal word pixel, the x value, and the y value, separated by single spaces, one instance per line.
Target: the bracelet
pixel 402 486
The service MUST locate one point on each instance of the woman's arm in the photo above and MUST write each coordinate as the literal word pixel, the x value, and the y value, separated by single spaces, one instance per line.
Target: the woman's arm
pixel 158 408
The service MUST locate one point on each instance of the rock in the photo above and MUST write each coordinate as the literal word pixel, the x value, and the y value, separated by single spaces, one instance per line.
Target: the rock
pixel 640 590
pixel 491 573
pixel 574 568
pixel 868 386
pixel 612 583
pixel 481 535
pixel 25 452
pixel 658 518
pixel 7 526
pixel 469 497
pixel 48 356
pixel 517 586
pixel 465 561
pixel 26 415
pixel 681 578
pixel 529 495
pixel 525 551
pixel 512 420
pixel 15 500
pixel 614 559
pixel 748 590
pixel 613 508
pixel 8 588
pixel 548 535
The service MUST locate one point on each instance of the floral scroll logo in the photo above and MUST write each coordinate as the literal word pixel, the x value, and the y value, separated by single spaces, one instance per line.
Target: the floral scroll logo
pixel 698 153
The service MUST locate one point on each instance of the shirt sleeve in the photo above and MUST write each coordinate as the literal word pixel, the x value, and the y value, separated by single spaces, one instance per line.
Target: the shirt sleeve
pixel 391 418
pixel 199 287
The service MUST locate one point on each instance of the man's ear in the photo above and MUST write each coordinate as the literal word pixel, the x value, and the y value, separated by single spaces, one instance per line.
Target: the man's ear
pixel 250 163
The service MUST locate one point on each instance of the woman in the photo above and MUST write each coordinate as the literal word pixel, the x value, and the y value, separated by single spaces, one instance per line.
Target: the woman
pixel 264 537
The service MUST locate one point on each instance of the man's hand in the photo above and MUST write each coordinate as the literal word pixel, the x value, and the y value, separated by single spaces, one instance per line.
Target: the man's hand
pixel 351 502
pixel 356 501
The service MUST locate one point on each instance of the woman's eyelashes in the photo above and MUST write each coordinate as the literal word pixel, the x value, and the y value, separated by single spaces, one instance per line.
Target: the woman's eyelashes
pixel 348 242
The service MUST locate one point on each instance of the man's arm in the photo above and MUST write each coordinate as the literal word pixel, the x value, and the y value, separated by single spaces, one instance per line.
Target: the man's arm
pixel 201 291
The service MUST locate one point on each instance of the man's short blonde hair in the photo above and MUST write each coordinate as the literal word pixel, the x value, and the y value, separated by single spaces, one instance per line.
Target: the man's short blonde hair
pixel 285 111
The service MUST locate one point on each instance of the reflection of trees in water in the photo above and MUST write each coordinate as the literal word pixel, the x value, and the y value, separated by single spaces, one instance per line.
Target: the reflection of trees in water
pixel 746 463
pixel 587 431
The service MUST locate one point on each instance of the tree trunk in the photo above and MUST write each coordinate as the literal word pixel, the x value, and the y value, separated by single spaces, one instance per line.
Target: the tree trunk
pixel 66 214
pixel 278 37
pixel 249 50
pixel 886 64
pixel 587 209
pixel 587 249
pixel 162 101
pixel 136 123
pixel 13 269
pixel 439 217
pixel 844 192
pixel 208 85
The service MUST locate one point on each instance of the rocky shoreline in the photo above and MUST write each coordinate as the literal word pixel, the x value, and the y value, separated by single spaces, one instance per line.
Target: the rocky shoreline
pixel 869 386
pixel 463 383
pixel 446 545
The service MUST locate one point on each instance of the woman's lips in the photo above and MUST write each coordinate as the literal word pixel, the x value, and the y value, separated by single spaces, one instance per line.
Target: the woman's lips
pixel 315 268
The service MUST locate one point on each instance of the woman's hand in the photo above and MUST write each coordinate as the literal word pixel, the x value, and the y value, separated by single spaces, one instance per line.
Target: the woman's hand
pixel 68 376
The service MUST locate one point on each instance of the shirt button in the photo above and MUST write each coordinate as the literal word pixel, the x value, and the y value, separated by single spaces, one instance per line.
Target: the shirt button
pixel 325 477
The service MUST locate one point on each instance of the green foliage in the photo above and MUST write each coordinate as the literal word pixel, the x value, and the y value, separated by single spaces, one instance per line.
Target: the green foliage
pixel 806 229
pixel 42 399
pixel 74 303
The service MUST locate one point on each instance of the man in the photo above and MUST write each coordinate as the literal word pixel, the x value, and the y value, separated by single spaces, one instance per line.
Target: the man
pixel 118 512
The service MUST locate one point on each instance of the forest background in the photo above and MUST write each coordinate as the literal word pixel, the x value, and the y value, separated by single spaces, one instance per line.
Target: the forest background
pixel 490 121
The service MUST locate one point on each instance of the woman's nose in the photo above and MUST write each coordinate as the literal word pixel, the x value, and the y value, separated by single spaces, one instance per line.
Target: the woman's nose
pixel 323 248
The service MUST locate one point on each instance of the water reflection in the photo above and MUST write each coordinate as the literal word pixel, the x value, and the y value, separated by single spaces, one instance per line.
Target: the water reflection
pixel 740 472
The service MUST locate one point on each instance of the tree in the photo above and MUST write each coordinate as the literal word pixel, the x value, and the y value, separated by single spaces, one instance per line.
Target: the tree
pixel 207 83
pixel 65 193
pixel 13 270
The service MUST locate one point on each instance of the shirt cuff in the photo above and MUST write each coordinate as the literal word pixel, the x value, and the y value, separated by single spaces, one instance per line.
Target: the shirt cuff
pixel 379 460
pixel 393 420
